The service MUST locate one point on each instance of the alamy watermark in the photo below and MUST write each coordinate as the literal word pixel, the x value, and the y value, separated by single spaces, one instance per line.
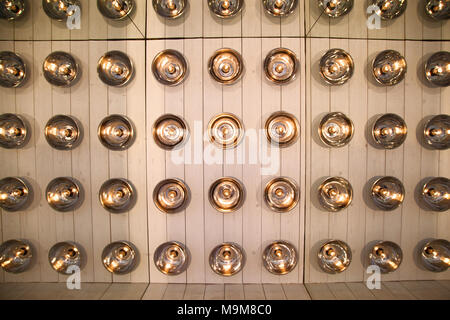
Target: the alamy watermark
pixel 254 149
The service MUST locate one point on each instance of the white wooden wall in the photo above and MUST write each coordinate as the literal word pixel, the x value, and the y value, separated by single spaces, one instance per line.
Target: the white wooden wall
pixel 197 35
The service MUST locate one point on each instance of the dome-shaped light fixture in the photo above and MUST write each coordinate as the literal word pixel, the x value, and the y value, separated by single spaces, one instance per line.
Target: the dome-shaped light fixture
pixel 120 257
pixel 12 70
pixel 115 68
pixel 389 131
pixel 226 66
pixel 64 194
pixel 282 129
pixel 15 194
pixel 226 131
pixel 225 8
pixel 435 255
pixel 281 66
pixel 171 196
pixel 436 132
pixel 170 67
pixel 281 194
pixel 436 194
pixel 12 9
pixel 389 68
pixel 64 255
pixel 335 194
pixel 170 132
pixel 438 9
pixel 280 257
pixel 386 255
pixel 336 8
pixel 170 9
pixel 14 131
pixel 60 10
pixel 334 256
pixel 279 8
pixel 63 132
pixel 387 193
pixel 437 69
pixel 172 258
pixel 227 195
pixel 336 67
pixel 60 69
pixel 15 256
pixel 227 259
pixel 117 195
pixel 115 9
pixel 336 130
pixel 389 9
pixel 116 132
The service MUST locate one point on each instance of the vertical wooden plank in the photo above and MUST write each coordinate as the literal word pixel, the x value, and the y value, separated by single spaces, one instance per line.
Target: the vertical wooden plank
pixel 26 159
pixel 62 160
pixel 413 21
pixel 136 23
pixel 213 168
pixel 155 24
pixel 431 105
pixel 44 157
pixel 293 24
pixel 174 28
pixel 23 27
pixel 101 222
pixel 118 160
pixel 357 20
pixel 251 19
pixel 232 102
pixel 395 159
pixel 443 219
pixel 155 161
pixel 25 222
pixel 137 165
pixel 251 116
pixel 357 175
pixel 174 104
pixel 98 27
pixel 193 102
pixel 411 171
pixel 271 102
pixel 376 158
pixel 291 162
pixel 9 159
pixel 212 25
pixel 270 25
pixel 193 24
pixel 232 27
pixel 319 22
pixel 339 157
pixel 42 24
pixel 81 162
pixel 83 32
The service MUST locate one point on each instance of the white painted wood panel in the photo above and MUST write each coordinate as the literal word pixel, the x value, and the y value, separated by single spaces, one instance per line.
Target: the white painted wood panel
pixel 36 25
pixel 413 100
